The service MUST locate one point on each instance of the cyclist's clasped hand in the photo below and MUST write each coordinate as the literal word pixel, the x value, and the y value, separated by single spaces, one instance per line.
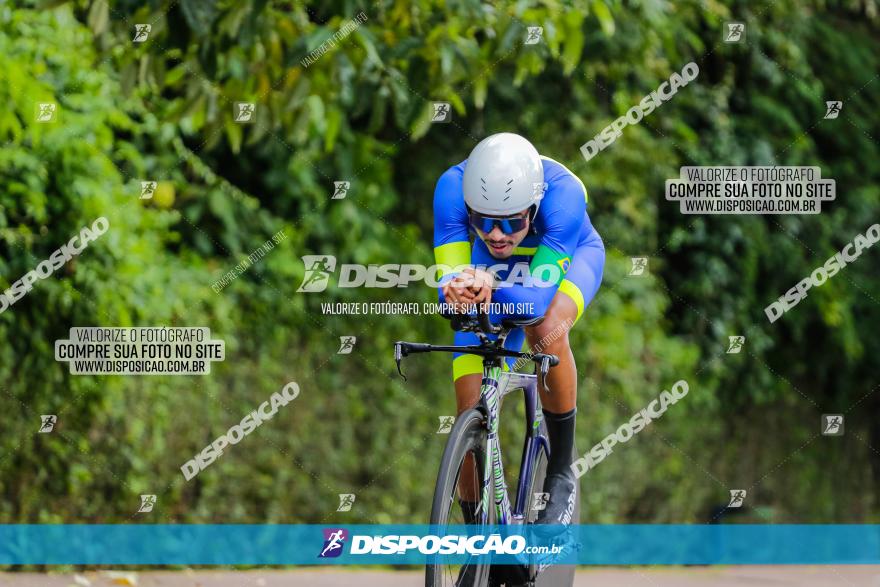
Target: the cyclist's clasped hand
pixel 471 286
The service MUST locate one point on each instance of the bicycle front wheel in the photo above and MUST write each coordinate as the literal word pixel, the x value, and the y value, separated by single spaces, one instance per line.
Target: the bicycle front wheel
pixel 460 478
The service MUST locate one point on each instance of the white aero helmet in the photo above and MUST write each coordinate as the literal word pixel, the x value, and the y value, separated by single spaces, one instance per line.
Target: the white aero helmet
pixel 504 175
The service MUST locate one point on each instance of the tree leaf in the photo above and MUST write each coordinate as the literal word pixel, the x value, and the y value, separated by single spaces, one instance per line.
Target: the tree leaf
pixel 603 14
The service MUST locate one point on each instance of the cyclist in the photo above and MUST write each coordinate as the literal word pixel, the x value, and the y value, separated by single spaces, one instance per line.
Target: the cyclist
pixel 523 209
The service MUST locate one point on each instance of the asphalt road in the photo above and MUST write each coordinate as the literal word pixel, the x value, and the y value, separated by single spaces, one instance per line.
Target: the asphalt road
pixel 803 576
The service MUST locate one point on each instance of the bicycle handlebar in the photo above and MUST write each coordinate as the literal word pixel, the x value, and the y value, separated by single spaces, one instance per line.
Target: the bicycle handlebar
pixel 480 324
pixel 402 349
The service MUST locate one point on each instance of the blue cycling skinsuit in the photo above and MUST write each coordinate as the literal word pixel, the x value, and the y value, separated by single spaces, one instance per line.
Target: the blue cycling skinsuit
pixel 562 235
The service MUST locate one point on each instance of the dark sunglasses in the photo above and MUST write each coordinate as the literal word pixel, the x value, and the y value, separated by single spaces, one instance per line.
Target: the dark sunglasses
pixel 508 224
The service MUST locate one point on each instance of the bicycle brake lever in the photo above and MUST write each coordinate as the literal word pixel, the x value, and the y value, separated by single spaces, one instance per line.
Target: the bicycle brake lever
pixel 398 357
pixel 544 369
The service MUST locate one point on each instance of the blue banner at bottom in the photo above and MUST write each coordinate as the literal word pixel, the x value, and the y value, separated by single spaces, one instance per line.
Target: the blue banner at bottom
pixel 212 544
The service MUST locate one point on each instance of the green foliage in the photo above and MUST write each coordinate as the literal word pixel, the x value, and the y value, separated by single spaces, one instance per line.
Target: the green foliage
pixel 163 110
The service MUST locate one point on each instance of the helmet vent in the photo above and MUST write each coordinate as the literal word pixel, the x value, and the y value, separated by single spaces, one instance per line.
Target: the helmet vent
pixel 500 173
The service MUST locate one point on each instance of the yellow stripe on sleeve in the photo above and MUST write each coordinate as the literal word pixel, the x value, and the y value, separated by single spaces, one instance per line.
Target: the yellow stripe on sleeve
pixel 452 255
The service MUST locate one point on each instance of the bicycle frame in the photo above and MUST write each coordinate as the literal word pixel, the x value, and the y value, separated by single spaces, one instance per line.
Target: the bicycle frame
pixel 495 385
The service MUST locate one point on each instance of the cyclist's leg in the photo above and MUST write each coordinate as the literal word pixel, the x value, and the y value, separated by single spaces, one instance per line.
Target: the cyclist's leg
pixel 467 373
pixel 551 336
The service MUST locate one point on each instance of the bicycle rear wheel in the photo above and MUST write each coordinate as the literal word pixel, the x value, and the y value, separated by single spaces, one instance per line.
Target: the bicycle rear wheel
pixel 465 453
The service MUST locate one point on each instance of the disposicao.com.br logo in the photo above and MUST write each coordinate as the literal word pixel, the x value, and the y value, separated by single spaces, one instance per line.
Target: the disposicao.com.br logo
pixel 319 269
pixel 450 544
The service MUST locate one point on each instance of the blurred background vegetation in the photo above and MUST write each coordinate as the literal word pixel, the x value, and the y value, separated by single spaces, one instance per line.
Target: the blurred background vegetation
pixel 162 110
